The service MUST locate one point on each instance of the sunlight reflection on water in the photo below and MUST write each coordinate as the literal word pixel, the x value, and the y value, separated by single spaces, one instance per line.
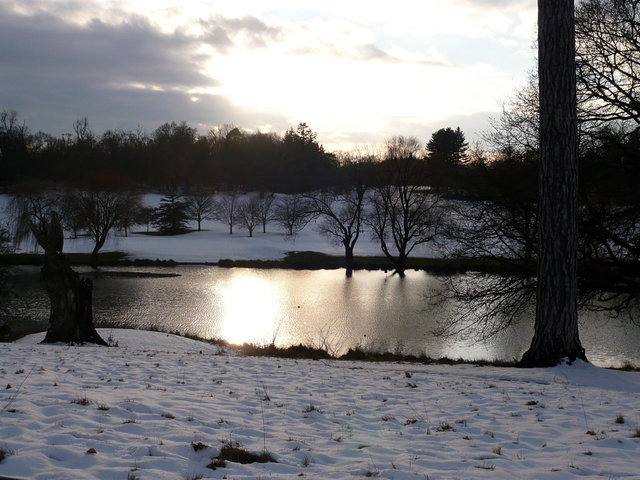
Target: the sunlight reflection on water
pixel 320 308
pixel 250 308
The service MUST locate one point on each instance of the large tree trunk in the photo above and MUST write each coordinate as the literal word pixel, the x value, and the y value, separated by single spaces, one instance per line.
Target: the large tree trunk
pixel 556 326
pixel 400 265
pixel 93 260
pixel 100 241
pixel 71 316
pixel 348 258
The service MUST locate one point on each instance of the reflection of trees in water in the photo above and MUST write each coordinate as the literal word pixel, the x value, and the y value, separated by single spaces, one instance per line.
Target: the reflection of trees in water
pixel 483 305
pixel 26 307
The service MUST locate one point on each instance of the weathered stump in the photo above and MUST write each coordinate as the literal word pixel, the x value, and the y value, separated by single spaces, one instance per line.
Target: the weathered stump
pixel 71 314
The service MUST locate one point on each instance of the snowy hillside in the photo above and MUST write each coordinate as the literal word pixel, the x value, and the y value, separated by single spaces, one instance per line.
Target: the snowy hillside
pixel 162 407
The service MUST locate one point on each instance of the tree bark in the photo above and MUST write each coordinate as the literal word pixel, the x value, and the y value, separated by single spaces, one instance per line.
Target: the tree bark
pixel 556 325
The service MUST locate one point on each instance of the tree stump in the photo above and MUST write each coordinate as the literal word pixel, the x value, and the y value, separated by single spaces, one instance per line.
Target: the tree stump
pixel 71 314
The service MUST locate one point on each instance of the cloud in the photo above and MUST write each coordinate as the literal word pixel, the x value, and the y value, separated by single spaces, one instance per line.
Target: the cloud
pixel 264 65
pixel 53 72
pixel 132 52
pixel 474 126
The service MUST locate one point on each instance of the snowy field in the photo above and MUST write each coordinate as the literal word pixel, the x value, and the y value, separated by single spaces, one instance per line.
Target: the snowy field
pixel 162 407
pixel 214 242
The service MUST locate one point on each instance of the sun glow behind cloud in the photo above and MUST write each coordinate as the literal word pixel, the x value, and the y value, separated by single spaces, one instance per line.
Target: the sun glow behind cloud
pixel 345 68
pixel 328 90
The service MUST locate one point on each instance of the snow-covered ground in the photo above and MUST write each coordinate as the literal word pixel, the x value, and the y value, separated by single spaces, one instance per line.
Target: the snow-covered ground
pixel 142 406
pixel 214 242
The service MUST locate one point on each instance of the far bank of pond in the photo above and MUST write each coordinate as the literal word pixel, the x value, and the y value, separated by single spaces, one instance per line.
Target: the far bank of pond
pixel 298 260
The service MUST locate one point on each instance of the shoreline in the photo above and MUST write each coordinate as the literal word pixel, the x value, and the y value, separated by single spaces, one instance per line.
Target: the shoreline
pixel 297 260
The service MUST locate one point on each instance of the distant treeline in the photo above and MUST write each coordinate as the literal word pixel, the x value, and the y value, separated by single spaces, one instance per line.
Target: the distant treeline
pixel 228 158
pixel 173 154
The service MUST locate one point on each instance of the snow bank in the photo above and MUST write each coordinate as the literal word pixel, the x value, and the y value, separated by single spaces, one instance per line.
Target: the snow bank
pixel 142 405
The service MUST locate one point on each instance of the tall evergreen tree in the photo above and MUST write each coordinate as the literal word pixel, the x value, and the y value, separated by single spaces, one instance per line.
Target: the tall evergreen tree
pixel 447 146
pixel 171 215
pixel 446 152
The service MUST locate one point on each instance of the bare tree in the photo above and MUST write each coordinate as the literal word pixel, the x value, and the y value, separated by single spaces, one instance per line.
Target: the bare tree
pixel 502 226
pixel 131 215
pixel 402 214
pixel 556 327
pixel 74 223
pixel 31 206
pixel 608 60
pixel 249 213
pixel 227 209
pixel 200 205
pixel 517 129
pixel 502 222
pixel 100 212
pixel 82 131
pixel 293 212
pixel 14 144
pixel 144 216
pixel 342 218
pixel 265 209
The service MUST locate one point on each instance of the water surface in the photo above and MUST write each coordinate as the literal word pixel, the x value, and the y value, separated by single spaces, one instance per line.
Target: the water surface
pixel 322 308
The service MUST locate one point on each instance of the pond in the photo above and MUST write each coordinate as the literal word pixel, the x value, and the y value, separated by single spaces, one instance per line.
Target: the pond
pixel 322 308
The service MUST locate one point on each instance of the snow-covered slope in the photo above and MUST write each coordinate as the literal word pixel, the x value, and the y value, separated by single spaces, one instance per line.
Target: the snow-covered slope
pixel 142 406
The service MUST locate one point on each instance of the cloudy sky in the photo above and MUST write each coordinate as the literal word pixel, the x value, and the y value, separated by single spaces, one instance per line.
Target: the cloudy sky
pixel 357 71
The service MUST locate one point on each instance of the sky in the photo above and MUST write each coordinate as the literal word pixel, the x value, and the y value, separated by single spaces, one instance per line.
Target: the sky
pixel 356 71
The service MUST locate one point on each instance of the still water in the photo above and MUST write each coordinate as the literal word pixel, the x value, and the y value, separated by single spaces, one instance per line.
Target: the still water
pixel 322 308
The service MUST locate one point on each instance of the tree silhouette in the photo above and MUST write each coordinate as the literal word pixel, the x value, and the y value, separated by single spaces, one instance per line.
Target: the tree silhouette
pixel 99 212
pixel 171 215
pixel 402 214
pixel 447 146
pixel 608 61
pixel 200 205
pixel 446 152
pixel 342 218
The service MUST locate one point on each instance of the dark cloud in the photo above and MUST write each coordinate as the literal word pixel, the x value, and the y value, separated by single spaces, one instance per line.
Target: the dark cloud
pixel 53 72
pixel 131 52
